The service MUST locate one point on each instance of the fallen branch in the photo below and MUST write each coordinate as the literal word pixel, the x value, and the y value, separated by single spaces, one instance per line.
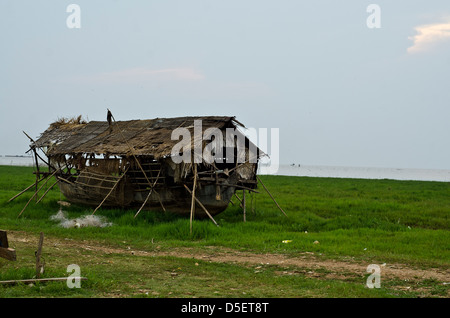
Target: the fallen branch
pixel 42 280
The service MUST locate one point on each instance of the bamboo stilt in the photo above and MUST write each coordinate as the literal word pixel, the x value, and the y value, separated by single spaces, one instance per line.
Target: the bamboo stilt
pixel 145 202
pixel 234 186
pixel 245 162
pixel 65 180
pixel 193 195
pixel 218 196
pixel 148 196
pixel 137 161
pixel 160 202
pixel 253 207
pixel 33 147
pixel 109 193
pixel 240 201
pixel 45 193
pixel 271 195
pixel 24 190
pixel 243 203
pixel 37 169
pixel 202 206
pixel 36 193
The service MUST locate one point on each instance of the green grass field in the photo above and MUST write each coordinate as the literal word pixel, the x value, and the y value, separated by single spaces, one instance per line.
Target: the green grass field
pixel 403 224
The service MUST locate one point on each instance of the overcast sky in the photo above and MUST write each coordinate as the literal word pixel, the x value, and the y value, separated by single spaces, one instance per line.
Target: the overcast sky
pixel 340 93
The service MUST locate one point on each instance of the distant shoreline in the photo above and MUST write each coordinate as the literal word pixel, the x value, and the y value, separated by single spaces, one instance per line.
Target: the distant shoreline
pixel 440 175
pixel 16 156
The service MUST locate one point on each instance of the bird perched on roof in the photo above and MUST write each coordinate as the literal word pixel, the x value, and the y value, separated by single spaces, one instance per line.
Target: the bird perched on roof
pixel 109 119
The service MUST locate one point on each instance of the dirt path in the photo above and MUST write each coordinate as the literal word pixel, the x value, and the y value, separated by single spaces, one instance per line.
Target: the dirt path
pixel 306 263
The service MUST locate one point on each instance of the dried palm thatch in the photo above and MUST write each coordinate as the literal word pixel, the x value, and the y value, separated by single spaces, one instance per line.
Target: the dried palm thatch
pixel 150 137
pixel 64 122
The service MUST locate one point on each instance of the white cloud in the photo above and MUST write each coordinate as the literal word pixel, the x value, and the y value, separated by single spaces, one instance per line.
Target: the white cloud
pixel 429 36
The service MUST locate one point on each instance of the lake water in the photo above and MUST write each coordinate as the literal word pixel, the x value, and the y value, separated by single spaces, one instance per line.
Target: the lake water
pixel 361 172
pixel 315 171
pixel 25 161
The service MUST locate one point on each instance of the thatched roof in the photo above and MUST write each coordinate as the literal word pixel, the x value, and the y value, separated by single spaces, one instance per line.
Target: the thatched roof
pixel 145 137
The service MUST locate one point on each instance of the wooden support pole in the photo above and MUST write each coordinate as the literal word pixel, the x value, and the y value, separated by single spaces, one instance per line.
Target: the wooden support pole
pixel 240 201
pixel 36 153
pixel 48 177
pixel 243 202
pixel 24 190
pixel 39 266
pixel 160 201
pixel 148 196
pixel 237 166
pixel 252 204
pixel 46 180
pixel 27 204
pixel 271 195
pixel 109 193
pixel 202 206
pixel 44 161
pixel 33 147
pixel 37 169
pixel 145 202
pixel 234 186
pixel 45 193
pixel 65 180
pixel 137 161
pixel 33 197
pixel 194 168
pixel 218 196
